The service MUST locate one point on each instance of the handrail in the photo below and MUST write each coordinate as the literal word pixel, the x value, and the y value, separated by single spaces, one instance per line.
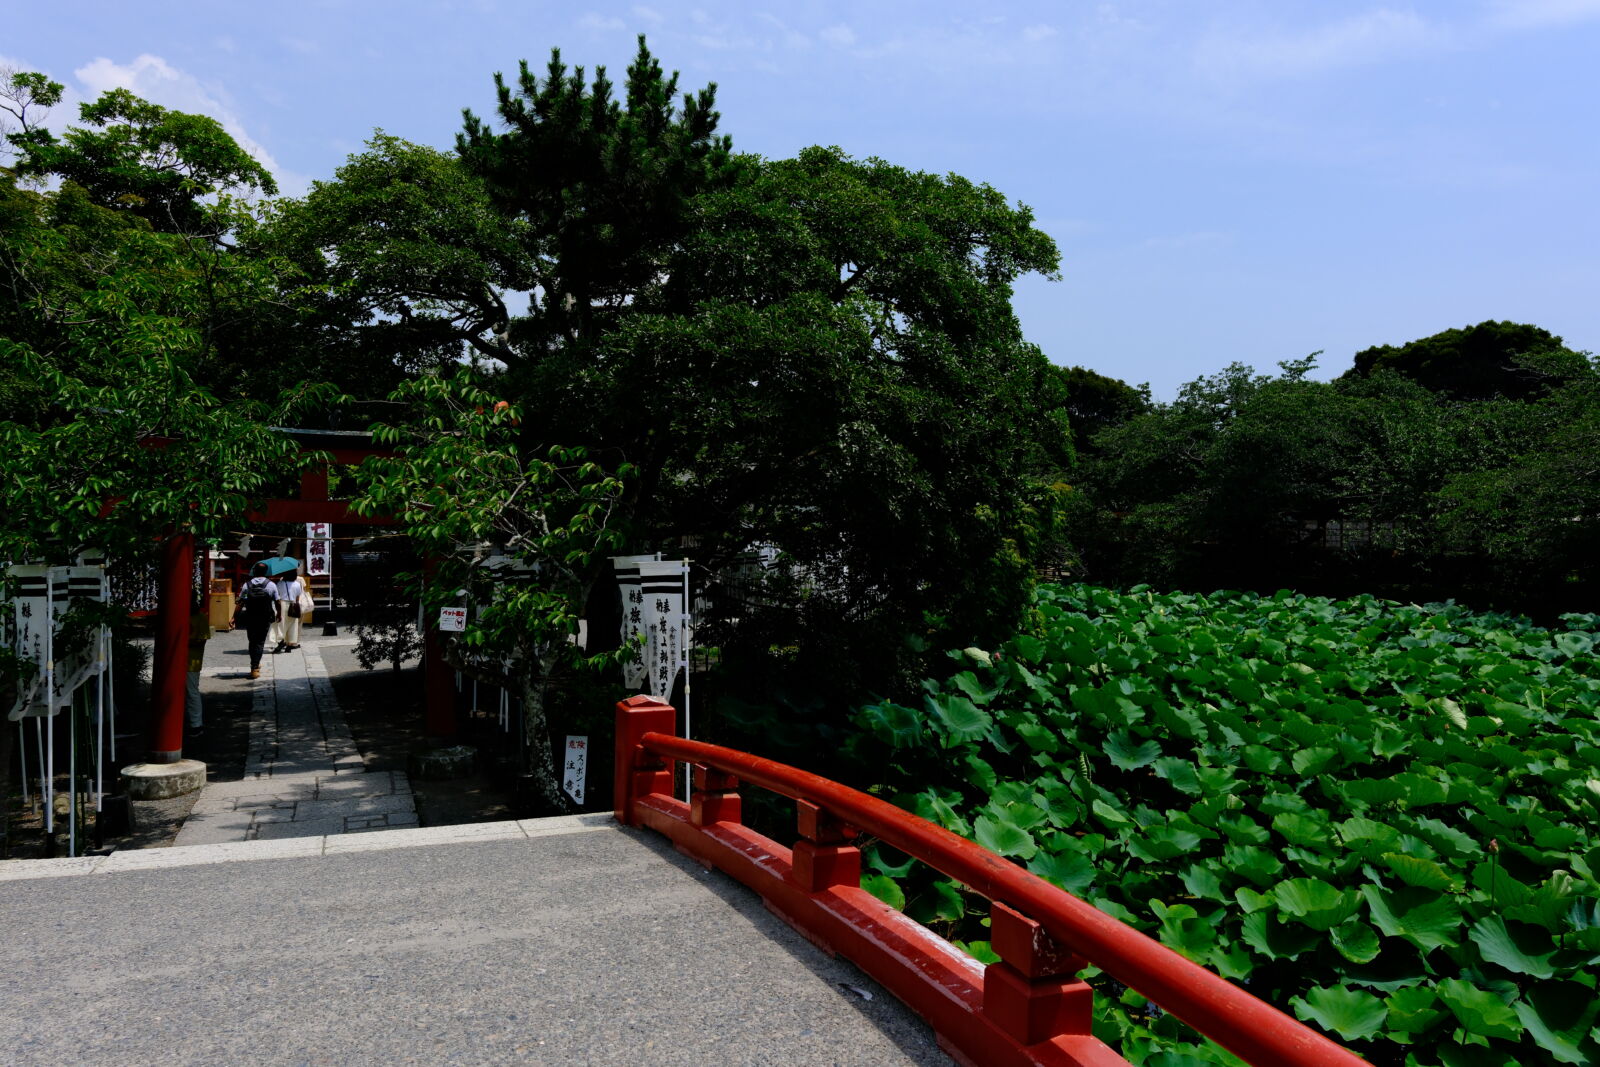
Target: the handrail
pixel 1246 1026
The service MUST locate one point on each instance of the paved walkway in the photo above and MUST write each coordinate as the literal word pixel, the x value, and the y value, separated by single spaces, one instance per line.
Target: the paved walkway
pixel 546 941
pixel 303 776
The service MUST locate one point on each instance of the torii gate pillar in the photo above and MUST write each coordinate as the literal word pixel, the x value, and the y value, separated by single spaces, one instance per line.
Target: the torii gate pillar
pixel 170 668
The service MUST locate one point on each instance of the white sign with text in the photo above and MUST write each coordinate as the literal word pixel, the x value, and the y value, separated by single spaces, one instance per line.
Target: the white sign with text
pixel 575 768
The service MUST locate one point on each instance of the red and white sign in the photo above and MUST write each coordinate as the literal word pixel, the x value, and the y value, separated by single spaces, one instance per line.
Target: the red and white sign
pixel 452 619
pixel 319 548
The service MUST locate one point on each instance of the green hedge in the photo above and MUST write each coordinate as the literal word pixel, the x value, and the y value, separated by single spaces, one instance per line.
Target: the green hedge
pixel 1383 819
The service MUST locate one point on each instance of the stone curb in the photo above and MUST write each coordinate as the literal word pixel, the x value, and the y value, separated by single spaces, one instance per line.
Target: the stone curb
pixel 304 847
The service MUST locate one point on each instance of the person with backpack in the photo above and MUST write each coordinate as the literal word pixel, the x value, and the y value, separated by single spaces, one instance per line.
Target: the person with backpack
pixel 257 610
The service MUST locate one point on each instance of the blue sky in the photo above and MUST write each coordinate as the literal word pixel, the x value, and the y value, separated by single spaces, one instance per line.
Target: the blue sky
pixel 1248 180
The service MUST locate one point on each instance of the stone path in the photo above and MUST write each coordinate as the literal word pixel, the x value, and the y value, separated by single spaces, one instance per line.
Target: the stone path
pixel 303 776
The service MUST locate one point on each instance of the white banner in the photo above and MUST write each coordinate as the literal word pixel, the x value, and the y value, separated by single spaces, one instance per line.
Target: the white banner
pixel 627 568
pixel 319 548
pixel 664 619
pixel 31 605
pixel 575 768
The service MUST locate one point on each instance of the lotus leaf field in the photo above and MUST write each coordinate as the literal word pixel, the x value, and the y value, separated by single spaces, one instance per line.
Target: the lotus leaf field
pixel 1383 819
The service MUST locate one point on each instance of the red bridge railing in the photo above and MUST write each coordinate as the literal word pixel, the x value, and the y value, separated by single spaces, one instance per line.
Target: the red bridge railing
pixel 1030 1008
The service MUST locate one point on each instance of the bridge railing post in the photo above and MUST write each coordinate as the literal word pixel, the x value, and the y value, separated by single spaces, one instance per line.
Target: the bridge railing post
pixel 1033 993
pixel 713 798
pixel 821 858
pixel 637 773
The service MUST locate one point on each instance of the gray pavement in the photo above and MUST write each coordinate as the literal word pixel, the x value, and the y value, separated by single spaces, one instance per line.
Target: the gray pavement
pixel 303 776
pixel 569 941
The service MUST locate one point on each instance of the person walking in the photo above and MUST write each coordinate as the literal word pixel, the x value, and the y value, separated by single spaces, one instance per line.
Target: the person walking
pixel 258 608
pixel 199 632
pixel 289 589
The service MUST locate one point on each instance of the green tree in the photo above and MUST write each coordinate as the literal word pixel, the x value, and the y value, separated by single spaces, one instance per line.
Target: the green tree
pixel 1096 402
pixel 817 355
pixel 1491 360
pixel 598 190
pixel 406 265
pixel 139 157
pixel 110 344
pixel 516 530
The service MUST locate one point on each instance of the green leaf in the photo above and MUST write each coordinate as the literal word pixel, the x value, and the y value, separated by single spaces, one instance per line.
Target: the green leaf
pixel 1355 941
pixel 1127 756
pixel 1314 902
pixel 1264 933
pixel 1109 815
pixel 885 889
pixel 948 903
pixel 962 721
pixel 1070 871
pixel 978 950
pixel 1180 774
pixel 1309 762
pixel 1162 843
pixel 1426 919
pixel 1558 1016
pixel 1202 881
pixel 1422 873
pixel 1304 830
pixel 1413 1010
pixel 1517 947
pixel 1350 1013
pixel 1003 837
pixel 1480 1012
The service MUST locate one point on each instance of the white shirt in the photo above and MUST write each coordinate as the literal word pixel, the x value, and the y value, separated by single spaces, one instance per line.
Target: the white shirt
pixel 288 589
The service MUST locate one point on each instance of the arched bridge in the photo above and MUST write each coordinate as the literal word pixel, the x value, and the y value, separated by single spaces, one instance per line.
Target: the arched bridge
pixel 585 939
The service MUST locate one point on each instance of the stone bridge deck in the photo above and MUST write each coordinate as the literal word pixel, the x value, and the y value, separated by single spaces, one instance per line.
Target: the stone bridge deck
pixel 569 941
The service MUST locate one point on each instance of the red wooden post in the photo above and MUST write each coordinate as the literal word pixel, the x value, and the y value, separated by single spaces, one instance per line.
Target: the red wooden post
pixel 314 484
pixel 636 773
pixel 713 798
pixel 438 677
pixel 821 859
pixel 1033 993
pixel 169 670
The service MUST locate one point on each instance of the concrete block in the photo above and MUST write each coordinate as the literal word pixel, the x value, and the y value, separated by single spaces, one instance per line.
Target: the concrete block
pixel 16 870
pixel 158 781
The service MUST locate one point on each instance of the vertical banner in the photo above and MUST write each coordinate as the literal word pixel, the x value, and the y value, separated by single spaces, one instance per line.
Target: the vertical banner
pixel 61 668
pixel 32 630
pixel 319 546
pixel 575 768
pixel 635 672
pixel 84 583
pixel 664 617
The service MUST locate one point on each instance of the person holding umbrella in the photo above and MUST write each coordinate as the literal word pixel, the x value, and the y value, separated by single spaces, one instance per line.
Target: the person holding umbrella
pixel 288 589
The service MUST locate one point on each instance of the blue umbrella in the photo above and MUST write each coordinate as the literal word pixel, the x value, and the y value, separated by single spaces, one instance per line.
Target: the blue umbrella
pixel 277 565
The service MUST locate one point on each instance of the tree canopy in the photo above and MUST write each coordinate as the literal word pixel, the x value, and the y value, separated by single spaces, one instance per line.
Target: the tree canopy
pixel 1510 360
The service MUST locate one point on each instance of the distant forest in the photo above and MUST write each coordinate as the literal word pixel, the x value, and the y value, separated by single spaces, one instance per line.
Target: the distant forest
pixel 1462 466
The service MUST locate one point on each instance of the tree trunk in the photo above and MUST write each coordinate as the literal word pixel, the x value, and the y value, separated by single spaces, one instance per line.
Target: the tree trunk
pixel 538 760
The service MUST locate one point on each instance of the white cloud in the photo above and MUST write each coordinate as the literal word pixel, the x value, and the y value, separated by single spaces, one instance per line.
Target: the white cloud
pixel 649 14
pixel 1040 32
pixel 1538 14
pixel 840 36
pixel 791 37
pixel 600 22
pixel 1369 37
pixel 157 81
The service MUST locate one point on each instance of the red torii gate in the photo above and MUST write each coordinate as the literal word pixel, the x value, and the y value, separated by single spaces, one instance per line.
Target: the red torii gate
pixel 176 593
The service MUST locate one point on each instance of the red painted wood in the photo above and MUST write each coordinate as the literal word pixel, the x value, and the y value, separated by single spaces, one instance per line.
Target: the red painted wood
pixel 634 774
pixel 880 939
pixel 169 668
